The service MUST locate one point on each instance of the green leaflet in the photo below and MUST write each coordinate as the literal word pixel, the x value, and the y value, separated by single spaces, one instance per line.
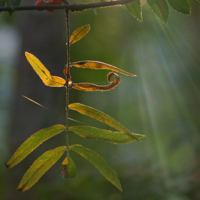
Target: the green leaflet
pixel 135 9
pixel 105 135
pixel 181 6
pixel 160 8
pixel 102 117
pixel 99 163
pixel 68 168
pixel 33 142
pixel 39 167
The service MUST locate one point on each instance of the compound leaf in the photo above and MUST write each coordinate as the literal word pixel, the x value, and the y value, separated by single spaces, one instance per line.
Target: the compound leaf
pixel 68 168
pixel 135 9
pixel 79 33
pixel 39 167
pixel 99 163
pixel 102 117
pixel 99 65
pixel 93 87
pixel 33 142
pixel 43 72
pixel 181 6
pixel 160 8
pixel 101 134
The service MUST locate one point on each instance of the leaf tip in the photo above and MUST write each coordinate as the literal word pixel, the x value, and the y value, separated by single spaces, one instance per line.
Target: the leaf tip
pixel 22 188
pixel 7 165
pixel 26 53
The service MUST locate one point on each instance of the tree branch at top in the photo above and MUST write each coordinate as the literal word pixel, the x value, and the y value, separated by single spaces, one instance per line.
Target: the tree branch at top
pixel 69 7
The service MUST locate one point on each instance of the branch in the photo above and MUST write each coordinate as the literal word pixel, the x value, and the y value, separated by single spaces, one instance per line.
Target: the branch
pixel 69 7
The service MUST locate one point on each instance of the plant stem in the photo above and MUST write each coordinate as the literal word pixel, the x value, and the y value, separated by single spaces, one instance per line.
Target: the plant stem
pixel 67 76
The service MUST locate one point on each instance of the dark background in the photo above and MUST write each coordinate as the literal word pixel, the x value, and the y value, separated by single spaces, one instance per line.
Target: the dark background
pixel 162 102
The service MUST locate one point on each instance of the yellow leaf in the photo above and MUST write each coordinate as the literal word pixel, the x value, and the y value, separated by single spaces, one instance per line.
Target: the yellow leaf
pixel 43 72
pixel 57 81
pixel 79 33
pixel 99 65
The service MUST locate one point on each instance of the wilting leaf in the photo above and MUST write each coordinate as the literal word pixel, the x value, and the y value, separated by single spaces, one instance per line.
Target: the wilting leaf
pixel 160 8
pixel 79 33
pixel 39 167
pixel 43 73
pixel 34 102
pixel 135 9
pixel 33 142
pixel 101 134
pixel 68 168
pixel 99 163
pixel 99 65
pixel 93 87
pixel 102 117
pixel 181 6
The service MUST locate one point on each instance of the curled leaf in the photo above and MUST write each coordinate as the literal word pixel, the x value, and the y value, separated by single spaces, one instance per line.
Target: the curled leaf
pixel 43 72
pixel 79 33
pixel 99 65
pixel 102 117
pixel 93 87
pixel 101 134
pixel 99 163
pixel 39 167
pixel 68 168
pixel 33 142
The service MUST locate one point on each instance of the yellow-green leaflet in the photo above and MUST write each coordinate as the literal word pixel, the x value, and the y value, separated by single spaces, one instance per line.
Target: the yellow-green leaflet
pixel 39 167
pixel 33 142
pixel 79 33
pixel 99 163
pixel 102 134
pixel 102 117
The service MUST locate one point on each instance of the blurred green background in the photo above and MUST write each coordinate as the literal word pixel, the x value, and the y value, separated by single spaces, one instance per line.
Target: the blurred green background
pixel 162 102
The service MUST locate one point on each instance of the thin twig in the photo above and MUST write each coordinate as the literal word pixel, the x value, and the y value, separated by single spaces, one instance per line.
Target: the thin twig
pixel 68 7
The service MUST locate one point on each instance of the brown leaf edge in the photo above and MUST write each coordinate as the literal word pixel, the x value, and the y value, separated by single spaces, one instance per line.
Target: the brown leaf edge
pixel 92 87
